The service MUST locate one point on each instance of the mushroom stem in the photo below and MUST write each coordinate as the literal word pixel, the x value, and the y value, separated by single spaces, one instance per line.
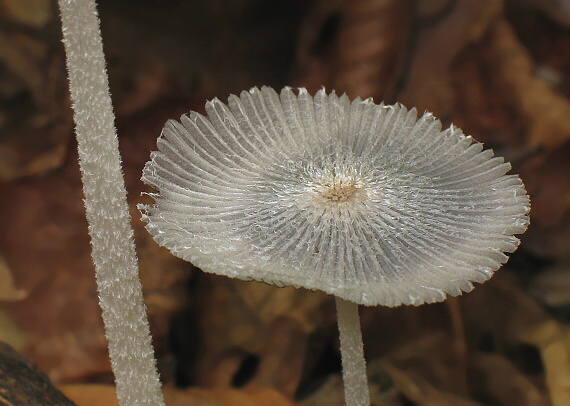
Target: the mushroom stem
pixel 352 352
pixel 120 292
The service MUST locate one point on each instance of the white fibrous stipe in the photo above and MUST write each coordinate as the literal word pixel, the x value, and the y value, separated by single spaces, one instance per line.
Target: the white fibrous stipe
pixel 363 201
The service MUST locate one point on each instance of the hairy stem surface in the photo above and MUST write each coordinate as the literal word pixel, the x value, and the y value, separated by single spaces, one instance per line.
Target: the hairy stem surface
pixel 120 291
pixel 356 391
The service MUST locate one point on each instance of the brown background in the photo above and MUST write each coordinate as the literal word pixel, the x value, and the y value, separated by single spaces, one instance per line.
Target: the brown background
pixel 497 69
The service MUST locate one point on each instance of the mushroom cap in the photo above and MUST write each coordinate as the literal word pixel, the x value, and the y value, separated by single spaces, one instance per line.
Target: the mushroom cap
pixel 363 201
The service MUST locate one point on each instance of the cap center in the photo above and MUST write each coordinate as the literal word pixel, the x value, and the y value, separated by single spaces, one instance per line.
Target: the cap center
pixel 338 189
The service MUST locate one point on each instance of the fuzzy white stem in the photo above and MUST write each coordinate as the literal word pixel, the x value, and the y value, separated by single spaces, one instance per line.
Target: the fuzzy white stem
pixel 356 391
pixel 120 291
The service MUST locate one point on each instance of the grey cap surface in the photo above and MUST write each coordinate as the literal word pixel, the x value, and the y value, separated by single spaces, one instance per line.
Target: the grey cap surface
pixel 359 200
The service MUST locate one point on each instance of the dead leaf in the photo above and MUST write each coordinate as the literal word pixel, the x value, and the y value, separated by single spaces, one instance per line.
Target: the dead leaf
pixel 503 383
pixel 428 368
pixel 555 9
pixel 252 396
pixel 33 12
pixel 420 391
pixel 35 114
pixel 48 250
pixel 10 333
pixel 552 286
pixel 553 342
pixel 283 357
pixel 547 181
pixel 105 395
pixel 8 292
pixel 428 86
pixel 371 41
pixel 244 318
pixel 90 394
pixel 545 110
pixel 330 393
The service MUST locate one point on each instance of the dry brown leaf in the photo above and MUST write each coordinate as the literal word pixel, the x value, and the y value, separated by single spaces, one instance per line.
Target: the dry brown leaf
pixel 330 393
pixel 546 112
pixel 556 9
pixel 270 303
pixel 553 341
pixel 105 395
pixel 547 181
pixel 10 333
pixel 503 383
pixel 8 291
pixel 430 362
pixel 32 12
pixel 35 116
pixel 252 396
pixel 553 286
pixel 241 318
pixel 501 308
pixel 283 357
pixel 512 317
pixel 420 391
pixel 263 395
pixel 428 85
pixel 90 394
pixel 14 56
pixel 46 245
pixel 371 40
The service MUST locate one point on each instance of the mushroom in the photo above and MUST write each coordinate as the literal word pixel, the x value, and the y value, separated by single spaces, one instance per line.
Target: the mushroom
pixel 362 201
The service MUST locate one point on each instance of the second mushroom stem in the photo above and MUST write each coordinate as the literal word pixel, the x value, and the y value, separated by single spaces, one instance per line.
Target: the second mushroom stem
pixel 356 391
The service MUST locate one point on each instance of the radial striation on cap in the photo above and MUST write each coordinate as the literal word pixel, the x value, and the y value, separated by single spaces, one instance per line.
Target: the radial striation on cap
pixel 363 201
